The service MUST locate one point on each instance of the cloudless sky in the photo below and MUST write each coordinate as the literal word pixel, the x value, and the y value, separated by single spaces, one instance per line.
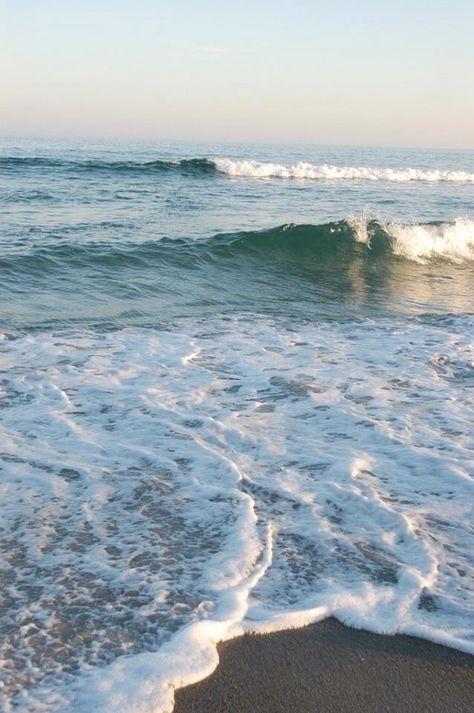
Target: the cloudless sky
pixel 397 72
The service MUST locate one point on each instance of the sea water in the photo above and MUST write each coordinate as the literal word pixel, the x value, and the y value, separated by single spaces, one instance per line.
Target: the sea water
pixel 237 394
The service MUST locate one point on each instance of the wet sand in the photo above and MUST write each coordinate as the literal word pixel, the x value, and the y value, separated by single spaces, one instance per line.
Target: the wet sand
pixel 329 668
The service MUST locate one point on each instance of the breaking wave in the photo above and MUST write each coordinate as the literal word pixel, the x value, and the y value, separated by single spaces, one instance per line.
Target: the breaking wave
pixel 244 168
pixel 421 242
pixel 303 169
pixel 345 239
pixel 418 242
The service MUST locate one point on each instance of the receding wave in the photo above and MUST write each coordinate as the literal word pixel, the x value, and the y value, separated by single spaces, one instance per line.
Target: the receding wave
pixel 325 171
pixel 243 168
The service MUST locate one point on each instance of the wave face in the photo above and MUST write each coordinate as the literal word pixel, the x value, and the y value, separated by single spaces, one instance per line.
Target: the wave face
pixel 303 169
pixel 352 238
pixel 422 242
pixel 355 237
pixel 299 269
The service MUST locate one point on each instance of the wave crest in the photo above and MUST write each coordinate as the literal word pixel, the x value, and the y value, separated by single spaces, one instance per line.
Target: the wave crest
pixel 242 168
pixel 419 242
pixel 303 169
pixel 341 241
pixel 451 241
pixel 185 166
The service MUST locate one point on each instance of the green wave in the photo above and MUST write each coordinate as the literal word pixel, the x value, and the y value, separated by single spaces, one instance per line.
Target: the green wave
pixel 303 244
pixel 290 269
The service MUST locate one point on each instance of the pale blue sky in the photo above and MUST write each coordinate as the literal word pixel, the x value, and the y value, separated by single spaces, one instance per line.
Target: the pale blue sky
pixel 335 71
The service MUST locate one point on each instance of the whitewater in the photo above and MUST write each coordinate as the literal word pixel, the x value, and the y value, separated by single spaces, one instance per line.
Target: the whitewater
pixel 228 405
pixel 303 169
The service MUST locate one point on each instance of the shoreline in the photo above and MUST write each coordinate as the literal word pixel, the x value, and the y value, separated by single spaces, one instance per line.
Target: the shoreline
pixel 330 668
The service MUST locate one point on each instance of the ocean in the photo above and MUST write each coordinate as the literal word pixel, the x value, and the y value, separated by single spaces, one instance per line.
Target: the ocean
pixel 237 394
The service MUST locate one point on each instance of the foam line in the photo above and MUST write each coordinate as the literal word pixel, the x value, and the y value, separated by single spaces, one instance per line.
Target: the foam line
pixel 304 169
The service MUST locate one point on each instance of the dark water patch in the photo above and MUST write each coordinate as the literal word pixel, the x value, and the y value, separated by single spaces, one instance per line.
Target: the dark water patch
pixel 192 166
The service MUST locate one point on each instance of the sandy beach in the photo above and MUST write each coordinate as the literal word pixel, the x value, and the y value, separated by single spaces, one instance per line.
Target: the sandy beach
pixel 329 668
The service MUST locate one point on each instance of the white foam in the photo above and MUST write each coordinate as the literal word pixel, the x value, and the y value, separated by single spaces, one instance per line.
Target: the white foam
pixel 189 657
pixel 451 241
pixel 303 169
pixel 422 242
pixel 162 491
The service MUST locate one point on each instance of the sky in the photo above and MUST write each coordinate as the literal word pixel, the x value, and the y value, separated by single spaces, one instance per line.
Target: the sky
pixel 367 72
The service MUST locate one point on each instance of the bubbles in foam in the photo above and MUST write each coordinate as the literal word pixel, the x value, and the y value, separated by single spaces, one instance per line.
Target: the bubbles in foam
pixel 421 241
pixel 452 241
pixel 163 491
pixel 303 169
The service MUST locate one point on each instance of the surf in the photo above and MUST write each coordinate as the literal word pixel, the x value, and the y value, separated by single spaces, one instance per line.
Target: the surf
pixel 349 239
pixel 178 487
pixel 306 170
pixel 242 168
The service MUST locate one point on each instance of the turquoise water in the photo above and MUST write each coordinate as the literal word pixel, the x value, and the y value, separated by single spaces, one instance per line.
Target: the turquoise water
pixel 236 391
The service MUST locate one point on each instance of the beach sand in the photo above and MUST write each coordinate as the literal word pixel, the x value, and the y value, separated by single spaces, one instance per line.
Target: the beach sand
pixel 329 668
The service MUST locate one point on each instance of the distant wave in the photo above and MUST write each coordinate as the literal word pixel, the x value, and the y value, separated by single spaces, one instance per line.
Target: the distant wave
pixel 243 168
pixel 303 169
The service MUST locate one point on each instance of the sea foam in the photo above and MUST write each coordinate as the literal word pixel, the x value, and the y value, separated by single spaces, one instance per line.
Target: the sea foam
pixel 452 241
pixel 304 169
pixel 422 241
pixel 163 491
